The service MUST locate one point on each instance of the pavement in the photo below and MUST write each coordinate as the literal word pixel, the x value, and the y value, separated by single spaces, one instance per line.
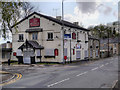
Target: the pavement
pixel 101 73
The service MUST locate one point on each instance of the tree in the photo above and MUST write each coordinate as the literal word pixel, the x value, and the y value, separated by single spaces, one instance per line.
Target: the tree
pixel 11 14
pixel 101 31
pixel 27 8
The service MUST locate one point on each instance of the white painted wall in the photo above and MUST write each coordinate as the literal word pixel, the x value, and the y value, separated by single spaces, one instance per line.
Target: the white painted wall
pixel 48 26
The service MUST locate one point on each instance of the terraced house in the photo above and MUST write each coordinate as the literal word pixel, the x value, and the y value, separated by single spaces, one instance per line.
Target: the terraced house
pixel 39 38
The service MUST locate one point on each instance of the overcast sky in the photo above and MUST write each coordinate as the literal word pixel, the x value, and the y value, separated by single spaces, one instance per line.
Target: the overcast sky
pixel 89 12
pixel 86 12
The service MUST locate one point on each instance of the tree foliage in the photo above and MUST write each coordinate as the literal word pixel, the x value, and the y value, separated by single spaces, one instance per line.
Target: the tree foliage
pixel 102 31
pixel 11 14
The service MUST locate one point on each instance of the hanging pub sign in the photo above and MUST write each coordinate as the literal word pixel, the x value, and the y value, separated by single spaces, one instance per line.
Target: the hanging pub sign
pixel 34 22
pixel 73 35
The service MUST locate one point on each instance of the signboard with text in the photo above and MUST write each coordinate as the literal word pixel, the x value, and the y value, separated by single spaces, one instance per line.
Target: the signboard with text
pixel 67 36
pixel 34 22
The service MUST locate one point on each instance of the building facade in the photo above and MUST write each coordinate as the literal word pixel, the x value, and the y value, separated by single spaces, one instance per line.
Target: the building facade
pixel 6 50
pixel 39 38
pixel 113 48
pixel 93 48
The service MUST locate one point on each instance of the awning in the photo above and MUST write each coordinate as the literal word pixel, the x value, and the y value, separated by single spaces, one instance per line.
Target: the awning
pixel 34 30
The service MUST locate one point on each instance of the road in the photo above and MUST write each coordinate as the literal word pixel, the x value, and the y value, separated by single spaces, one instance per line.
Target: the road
pixel 98 74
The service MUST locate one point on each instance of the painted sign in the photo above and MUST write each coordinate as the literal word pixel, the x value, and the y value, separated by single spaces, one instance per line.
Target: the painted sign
pixel 34 22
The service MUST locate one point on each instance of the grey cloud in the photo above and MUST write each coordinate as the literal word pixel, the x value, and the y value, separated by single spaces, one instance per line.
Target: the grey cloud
pixel 107 10
pixel 91 7
pixel 87 7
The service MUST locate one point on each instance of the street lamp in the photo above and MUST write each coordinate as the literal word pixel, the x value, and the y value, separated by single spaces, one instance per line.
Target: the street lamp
pixel 63 29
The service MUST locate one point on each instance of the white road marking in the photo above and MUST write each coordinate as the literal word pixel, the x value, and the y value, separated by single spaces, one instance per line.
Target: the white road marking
pixel 94 68
pixel 58 82
pixel 106 63
pixel 101 66
pixel 82 73
pixel 111 62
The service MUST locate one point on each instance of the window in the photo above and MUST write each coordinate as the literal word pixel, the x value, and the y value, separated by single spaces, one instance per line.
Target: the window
pixel 56 52
pixel 85 36
pixel 77 35
pixel 73 35
pixel 35 36
pixel 50 36
pixel 21 37
pixel 78 54
pixel 49 52
pixel 3 55
pixel 73 51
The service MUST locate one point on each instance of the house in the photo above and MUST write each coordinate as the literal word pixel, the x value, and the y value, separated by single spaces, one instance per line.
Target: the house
pixel 93 47
pixel 113 47
pixel 6 50
pixel 39 38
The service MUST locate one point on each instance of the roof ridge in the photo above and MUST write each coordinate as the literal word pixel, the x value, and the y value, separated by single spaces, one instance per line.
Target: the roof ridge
pixel 66 23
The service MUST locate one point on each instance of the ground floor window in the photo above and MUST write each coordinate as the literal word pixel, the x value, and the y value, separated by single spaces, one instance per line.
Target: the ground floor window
pixel 49 52
pixel 78 54
pixel 86 53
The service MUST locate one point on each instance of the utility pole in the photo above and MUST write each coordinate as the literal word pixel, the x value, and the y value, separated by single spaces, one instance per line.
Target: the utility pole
pixel 108 41
pixel 70 48
pixel 63 29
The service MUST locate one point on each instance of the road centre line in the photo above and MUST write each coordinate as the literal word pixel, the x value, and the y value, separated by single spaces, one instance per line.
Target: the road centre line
pixel 111 62
pixel 94 69
pixel 82 73
pixel 58 82
pixel 106 63
pixel 101 66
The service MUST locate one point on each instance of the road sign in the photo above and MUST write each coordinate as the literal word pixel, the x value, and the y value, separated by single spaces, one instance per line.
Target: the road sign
pixel 67 36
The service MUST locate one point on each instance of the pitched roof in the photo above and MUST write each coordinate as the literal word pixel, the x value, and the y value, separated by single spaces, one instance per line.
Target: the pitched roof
pixel 61 22
pixel 33 44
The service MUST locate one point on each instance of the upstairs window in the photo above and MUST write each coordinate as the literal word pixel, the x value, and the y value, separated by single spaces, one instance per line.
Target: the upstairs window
pixel 21 37
pixel 50 36
pixel 73 35
pixel 35 36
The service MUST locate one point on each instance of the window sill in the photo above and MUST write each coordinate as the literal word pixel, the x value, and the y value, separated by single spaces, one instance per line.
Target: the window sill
pixel 86 41
pixel 49 56
pixel 20 40
pixel 39 56
pixel 50 39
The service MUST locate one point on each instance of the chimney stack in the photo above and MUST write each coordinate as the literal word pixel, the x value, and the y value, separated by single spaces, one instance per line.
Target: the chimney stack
pixel 76 23
pixel 58 17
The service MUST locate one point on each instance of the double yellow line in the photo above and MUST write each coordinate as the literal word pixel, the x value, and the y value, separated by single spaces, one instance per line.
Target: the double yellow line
pixel 13 80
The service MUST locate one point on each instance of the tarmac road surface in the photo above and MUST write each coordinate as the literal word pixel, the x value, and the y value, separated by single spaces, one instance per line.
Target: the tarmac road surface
pixel 98 74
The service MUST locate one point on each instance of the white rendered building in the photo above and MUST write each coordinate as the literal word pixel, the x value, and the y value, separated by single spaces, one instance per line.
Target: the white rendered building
pixel 39 38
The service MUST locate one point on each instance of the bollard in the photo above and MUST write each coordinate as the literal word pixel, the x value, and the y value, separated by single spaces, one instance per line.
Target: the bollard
pixel 8 61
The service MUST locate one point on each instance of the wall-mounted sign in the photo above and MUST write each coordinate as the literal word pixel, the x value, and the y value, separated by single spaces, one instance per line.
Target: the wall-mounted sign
pixel 73 35
pixel 67 36
pixel 78 46
pixel 34 22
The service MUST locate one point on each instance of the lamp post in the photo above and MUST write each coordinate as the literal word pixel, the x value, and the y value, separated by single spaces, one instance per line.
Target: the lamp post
pixel 63 29
pixel 108 40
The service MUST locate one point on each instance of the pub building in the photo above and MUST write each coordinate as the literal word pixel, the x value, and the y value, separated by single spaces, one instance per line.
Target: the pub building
pixel 39 38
